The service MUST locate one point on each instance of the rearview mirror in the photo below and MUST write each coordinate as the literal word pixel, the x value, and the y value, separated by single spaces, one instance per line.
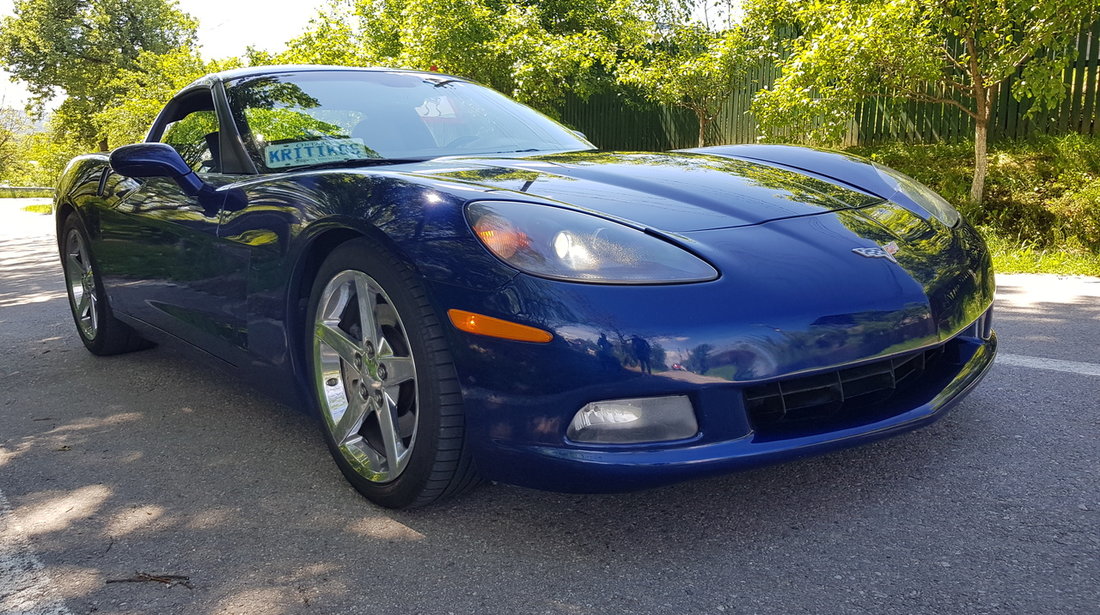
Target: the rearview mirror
pixel 156 160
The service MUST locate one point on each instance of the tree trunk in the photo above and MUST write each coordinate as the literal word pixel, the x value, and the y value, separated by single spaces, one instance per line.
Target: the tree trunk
pixel 103 144
pixel 704 121
pixel 982 102
pixel 981 160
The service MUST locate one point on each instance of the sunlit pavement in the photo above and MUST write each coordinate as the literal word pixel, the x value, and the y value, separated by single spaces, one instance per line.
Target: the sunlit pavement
pixel 152 464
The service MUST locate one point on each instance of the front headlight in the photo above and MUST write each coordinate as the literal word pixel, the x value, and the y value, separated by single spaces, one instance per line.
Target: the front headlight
pixel 920 194
pixel 567 245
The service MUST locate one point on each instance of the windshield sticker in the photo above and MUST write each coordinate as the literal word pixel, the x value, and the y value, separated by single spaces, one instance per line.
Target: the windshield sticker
pixel 315 152
pixel 436 107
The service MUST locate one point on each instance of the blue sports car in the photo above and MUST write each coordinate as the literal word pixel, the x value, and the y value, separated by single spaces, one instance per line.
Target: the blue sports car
pixel 462 289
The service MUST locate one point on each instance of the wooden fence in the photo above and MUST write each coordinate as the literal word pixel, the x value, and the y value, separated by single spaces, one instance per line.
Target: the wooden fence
pixel 614 122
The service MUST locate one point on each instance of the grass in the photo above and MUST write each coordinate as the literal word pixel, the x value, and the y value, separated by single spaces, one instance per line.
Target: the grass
pixel 1012 257
pixel 45 209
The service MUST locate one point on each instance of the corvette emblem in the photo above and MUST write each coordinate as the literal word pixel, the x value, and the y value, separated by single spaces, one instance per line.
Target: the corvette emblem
pixel 887 251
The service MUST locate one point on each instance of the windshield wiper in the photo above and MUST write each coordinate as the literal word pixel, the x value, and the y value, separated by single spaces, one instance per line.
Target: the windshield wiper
pixel 441 82
pixel 503 151
pixel 356 162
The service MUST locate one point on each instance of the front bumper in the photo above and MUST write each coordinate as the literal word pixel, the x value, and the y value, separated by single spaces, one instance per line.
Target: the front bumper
pixel 609 469
pixel 789 305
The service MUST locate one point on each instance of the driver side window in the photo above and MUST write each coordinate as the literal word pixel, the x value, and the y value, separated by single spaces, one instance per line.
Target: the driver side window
pixel 195 137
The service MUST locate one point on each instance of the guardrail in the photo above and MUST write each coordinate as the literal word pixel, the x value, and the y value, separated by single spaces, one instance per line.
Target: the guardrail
pixel 25 192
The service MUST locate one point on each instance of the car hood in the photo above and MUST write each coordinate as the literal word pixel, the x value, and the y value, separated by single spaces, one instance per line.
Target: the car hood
pixel 675 192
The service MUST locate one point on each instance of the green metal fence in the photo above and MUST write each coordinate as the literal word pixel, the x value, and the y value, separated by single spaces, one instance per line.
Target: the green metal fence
pixel 613 122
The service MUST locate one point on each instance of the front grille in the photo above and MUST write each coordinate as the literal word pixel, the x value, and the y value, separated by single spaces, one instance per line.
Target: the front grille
pixel 821 401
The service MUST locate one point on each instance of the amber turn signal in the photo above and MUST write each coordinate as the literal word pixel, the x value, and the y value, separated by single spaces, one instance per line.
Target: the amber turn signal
pixel 500 236
pixel 495 327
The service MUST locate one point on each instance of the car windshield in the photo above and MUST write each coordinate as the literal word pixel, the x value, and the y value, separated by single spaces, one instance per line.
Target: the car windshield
pixel 293 120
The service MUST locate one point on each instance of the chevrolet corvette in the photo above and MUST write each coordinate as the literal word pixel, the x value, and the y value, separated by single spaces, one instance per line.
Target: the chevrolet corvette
pixel 461 289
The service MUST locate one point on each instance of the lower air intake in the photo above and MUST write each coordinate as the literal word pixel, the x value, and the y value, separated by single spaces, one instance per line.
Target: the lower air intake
pixel 821 401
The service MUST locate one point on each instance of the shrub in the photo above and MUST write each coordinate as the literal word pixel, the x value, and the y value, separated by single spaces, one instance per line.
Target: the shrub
pixel 1079 215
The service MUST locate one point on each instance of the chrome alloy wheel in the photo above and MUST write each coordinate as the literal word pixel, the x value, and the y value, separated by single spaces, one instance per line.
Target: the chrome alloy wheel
pixel 81 280
pixel 365 376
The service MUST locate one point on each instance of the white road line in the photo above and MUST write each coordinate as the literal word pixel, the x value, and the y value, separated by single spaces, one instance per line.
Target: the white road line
pixel 1058 365
pixel 24 587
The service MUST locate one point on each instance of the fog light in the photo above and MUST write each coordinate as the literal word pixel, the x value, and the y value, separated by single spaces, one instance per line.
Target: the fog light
pixel 627 421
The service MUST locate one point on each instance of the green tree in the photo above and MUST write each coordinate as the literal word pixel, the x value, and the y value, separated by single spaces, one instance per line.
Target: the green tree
pixel 855 49
pixel 142 91
pixel 690 66
pixel 41 158
pixel 13 124
pixel 348 33
pixel 538 52
pixel 79 47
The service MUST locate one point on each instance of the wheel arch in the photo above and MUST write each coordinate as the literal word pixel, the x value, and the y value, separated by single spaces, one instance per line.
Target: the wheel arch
pixel 81 172
pixel 62 211
pixel 315 249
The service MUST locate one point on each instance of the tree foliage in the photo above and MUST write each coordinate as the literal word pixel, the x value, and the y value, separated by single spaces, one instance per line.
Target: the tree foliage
pixel 955 52
pixel 80 47
pixel 142 91
pixel 119 61
pixel 13 125
pixel 39 157
pixel 538 52
pixel 690 66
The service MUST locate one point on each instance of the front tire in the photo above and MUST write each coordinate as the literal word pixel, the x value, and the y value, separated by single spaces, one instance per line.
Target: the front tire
pixel 383 380
pixel 100 331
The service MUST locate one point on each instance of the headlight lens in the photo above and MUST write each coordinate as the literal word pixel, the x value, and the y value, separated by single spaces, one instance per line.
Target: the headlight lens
pixel 568 245
pixel 922 195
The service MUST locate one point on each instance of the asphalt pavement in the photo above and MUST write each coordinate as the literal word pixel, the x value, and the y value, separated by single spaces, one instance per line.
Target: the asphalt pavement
pixel 150 483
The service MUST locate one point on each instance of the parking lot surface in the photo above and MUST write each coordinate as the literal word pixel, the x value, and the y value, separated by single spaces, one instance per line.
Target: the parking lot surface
pixel 153 464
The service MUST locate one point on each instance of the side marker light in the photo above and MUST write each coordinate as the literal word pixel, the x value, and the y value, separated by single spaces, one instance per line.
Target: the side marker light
pixel 494 327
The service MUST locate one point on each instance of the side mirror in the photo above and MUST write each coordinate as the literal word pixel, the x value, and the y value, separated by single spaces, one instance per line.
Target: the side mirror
pixel 156 160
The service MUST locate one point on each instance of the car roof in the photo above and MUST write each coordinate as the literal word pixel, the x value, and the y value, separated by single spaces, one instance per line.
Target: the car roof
pixel 276 69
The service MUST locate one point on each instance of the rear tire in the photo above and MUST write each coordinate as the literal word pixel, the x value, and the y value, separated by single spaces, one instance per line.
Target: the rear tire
pixel 100 331
pixel 383 380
